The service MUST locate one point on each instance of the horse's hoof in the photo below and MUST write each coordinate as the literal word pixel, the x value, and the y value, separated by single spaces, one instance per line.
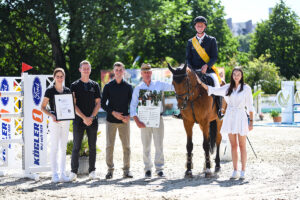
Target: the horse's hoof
pixel 188 174
pixel 217 169
pixel 208 173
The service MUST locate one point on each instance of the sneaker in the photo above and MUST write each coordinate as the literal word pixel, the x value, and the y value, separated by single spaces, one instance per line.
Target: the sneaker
pixel 161 174
pixel 92 175
pixel 148 174
pixel 109 175
pixel 242 176
pixel 234 175
pixel 55 178
pixel 127 175
pixel 73 176
pixel 64 178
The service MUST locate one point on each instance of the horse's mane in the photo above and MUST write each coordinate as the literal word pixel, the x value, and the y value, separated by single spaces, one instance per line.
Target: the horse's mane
pixel 195 81
pixel 179 74
pixel 192 76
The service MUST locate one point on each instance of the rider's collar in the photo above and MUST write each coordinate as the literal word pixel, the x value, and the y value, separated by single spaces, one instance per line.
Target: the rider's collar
pixel 200 38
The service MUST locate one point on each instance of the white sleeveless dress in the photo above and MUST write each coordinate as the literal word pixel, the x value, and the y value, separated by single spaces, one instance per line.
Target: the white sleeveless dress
pixel 235 120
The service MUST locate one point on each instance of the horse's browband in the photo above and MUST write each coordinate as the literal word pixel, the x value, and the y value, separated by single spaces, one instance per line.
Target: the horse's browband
pixel 179 75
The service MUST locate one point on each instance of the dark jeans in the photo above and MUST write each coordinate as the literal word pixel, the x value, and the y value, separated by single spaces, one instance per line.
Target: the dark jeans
pixel 78 130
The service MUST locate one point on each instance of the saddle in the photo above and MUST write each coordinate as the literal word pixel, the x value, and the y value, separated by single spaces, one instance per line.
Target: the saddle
pixel 205 78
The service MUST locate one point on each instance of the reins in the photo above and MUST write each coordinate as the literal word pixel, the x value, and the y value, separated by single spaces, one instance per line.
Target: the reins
pixel 186 96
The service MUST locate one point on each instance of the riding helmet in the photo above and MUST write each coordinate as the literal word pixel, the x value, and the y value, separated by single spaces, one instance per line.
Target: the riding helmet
pixel 200 19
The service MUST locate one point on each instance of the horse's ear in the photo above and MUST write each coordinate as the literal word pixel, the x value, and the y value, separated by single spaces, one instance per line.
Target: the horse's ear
pixel 170 68
pixel 184 67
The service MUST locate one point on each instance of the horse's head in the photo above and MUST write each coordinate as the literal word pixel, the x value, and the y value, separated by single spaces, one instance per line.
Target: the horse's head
pixel 181 85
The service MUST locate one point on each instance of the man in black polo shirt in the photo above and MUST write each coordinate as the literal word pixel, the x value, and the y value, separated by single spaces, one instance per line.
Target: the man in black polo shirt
pixel 115 101
pixel 196 59
pixel 86 94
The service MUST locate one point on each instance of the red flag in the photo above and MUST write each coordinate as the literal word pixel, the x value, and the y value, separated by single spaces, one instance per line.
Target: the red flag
pixel 25 67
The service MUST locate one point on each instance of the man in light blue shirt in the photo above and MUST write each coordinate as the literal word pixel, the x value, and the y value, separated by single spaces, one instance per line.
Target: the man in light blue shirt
pixel 147 132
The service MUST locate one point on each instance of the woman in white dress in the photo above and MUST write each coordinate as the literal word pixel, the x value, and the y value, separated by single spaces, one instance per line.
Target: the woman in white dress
pixel 238 97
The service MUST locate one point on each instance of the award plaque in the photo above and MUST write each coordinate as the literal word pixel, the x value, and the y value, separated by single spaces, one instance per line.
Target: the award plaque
pixel 64 107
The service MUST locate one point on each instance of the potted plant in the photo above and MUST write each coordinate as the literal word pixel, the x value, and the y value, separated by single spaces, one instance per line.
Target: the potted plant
pixel 83 153
pixel 275 114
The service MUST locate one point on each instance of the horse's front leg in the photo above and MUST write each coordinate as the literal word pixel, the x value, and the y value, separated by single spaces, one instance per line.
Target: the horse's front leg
pixel 189 147
pixel 206 147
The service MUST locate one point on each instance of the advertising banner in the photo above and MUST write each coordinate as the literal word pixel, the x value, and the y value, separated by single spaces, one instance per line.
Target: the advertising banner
pixel 35 127
pixel 6 125
pixel 133 76
pixel 285 100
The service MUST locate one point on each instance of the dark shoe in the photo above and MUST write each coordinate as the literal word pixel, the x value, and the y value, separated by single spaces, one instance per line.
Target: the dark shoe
pixel 109 175
pixel 178 116
pixel 127 175
pixel 161 174
pixel 148 174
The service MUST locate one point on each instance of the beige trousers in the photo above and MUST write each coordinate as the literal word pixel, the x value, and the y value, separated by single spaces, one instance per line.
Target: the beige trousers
pixel 158 138
pixel 124 133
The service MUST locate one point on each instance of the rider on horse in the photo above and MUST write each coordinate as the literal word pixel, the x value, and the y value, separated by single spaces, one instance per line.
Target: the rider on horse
pixel 201 55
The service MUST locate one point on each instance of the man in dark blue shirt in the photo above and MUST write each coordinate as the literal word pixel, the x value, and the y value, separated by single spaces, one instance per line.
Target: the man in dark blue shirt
pixel 115 101
pixel 204 64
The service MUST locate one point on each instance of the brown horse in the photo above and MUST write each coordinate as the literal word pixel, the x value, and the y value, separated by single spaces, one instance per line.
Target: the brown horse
pixel 197 107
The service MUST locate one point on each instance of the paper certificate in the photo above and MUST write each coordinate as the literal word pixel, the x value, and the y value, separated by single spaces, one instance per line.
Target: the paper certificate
pixel 64 107
pixel 149 107
pixel 149 115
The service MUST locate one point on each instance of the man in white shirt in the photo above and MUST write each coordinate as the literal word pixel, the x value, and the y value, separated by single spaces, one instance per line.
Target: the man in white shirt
pixel 147 132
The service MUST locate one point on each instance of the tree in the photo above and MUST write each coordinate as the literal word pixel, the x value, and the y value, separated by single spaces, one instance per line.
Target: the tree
pixel 52 33
pixel 280 37
pixel 21 41
pixel 260 71
pixel 172 27
pixel 244 42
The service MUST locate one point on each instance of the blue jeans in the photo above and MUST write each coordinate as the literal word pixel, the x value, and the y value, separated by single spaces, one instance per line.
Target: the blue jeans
pixel 78 130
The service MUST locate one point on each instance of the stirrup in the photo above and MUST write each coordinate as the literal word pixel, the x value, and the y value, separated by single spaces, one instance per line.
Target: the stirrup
pixel 220 114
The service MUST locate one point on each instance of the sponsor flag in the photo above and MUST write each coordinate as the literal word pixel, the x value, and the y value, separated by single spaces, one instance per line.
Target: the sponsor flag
pixel 25 67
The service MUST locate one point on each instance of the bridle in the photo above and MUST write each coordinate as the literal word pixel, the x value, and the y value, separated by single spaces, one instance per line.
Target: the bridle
pixel 187 95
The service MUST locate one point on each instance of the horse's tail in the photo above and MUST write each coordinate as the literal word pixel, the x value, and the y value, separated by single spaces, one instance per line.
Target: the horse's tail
pixel 212 135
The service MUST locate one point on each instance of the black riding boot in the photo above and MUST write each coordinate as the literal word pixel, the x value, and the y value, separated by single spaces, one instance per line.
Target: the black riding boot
pixel 177 116
pixel 219 106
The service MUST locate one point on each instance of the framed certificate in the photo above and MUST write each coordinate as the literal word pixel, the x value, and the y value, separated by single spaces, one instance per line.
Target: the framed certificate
pixel 149 115
pixel 64 107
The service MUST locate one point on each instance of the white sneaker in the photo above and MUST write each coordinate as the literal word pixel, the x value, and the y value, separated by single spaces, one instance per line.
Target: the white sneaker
pixel 64 178
pixel 73 176
pixel 242 176
pixel 234 175
pixel 55 178
pixel 92 175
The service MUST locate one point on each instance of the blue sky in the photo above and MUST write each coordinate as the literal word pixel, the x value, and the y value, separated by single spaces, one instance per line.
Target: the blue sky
pixel 257 10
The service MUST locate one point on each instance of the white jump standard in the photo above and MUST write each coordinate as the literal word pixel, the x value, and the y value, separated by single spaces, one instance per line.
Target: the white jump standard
pixel 34 125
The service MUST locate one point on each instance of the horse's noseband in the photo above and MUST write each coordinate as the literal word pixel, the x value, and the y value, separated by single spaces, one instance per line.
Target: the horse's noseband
pixel 184 97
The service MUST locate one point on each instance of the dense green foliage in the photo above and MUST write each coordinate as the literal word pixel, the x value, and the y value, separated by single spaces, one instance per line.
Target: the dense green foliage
pixel 260 71
pixel 51 33
pixel 280 37
pixel 244 42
